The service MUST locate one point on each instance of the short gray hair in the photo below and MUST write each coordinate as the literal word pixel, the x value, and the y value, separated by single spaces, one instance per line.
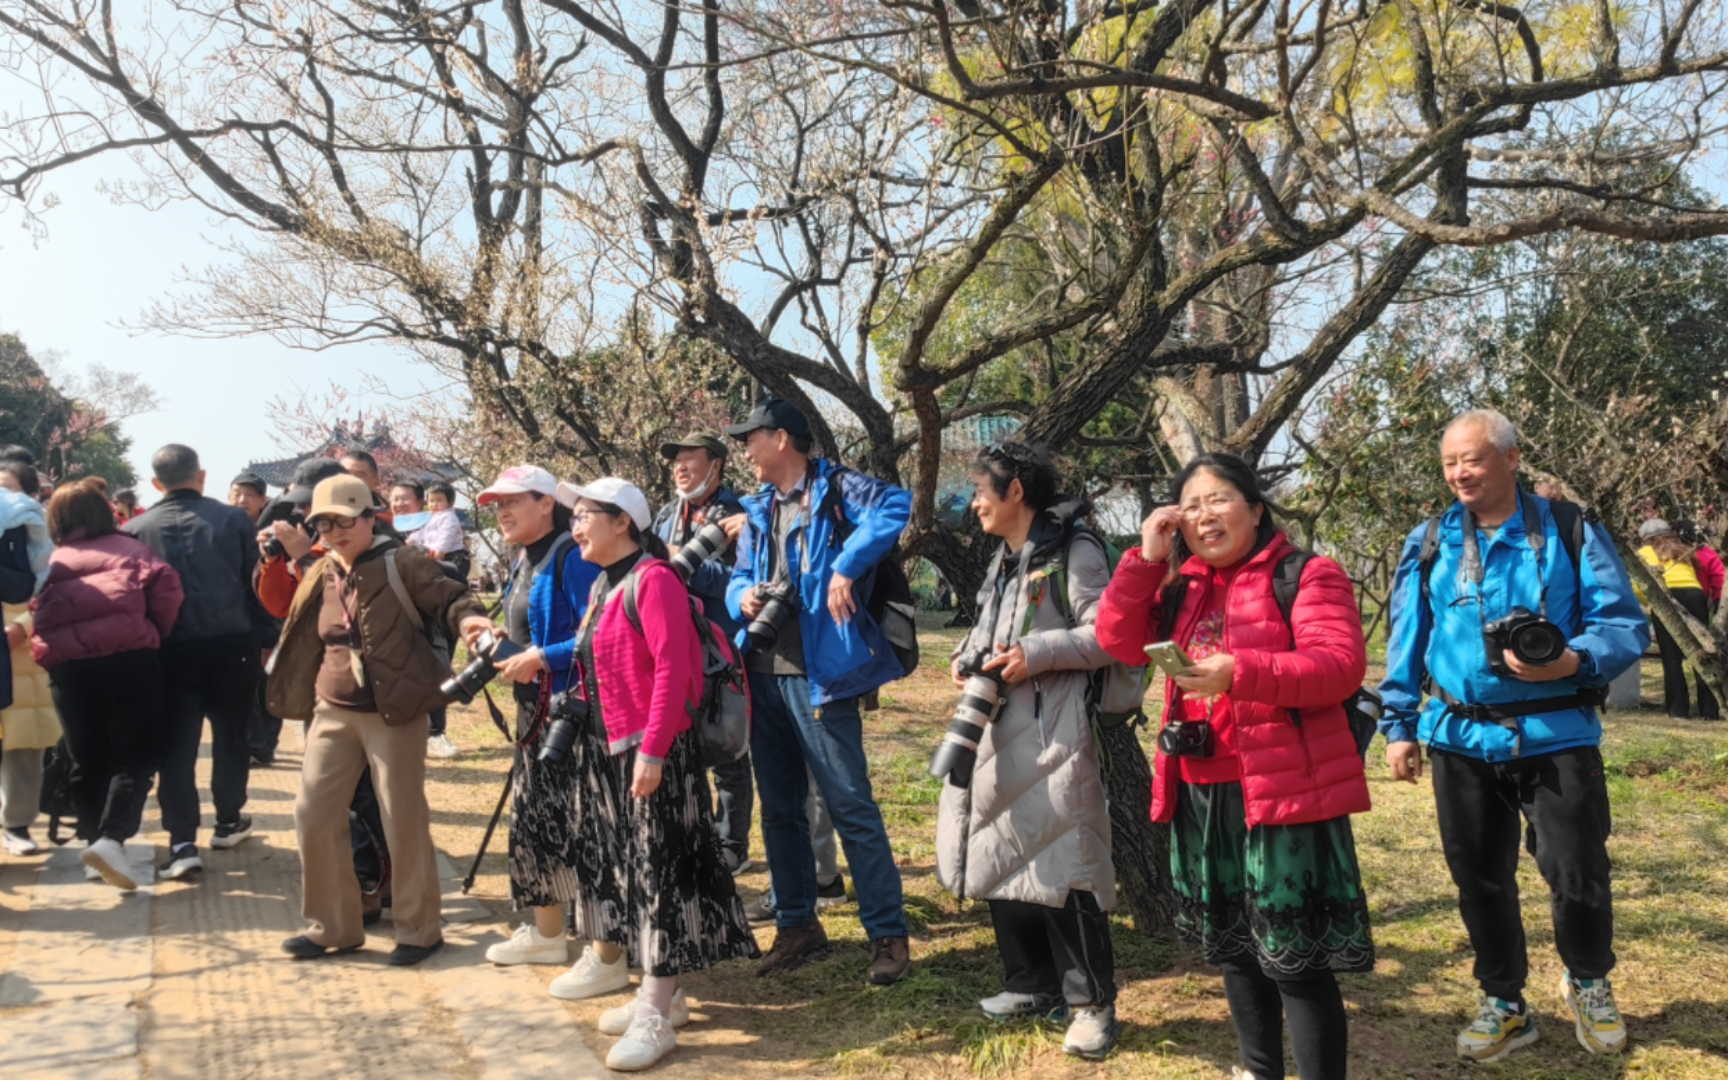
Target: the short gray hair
pixel 1500 430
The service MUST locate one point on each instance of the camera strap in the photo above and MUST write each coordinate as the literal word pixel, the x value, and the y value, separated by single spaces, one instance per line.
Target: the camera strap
pixel 1505 712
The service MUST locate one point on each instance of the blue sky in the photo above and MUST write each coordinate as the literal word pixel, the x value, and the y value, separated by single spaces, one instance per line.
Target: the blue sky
pixel 102 264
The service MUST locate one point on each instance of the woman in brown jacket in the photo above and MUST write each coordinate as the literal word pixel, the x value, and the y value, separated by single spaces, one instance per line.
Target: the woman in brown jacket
pixel 356 662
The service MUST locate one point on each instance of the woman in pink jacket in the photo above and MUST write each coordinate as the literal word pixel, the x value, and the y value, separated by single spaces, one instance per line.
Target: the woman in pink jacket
pixel 99 621
pixel 1257 770
pixel 672 905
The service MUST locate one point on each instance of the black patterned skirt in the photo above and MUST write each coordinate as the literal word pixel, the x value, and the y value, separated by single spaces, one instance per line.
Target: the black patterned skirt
pixel 1290 896
pixel 561 820
pixel 668 898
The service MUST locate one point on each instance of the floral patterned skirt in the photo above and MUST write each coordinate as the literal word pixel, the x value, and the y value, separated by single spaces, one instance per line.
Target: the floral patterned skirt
pixel 665 894
pixel 1290 896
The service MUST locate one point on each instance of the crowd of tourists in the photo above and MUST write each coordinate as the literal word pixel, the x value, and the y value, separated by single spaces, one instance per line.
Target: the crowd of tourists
pixel 632 643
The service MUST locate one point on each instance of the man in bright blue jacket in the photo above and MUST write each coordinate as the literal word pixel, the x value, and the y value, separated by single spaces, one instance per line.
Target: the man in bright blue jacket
pixel 805 689
pixel 1510 735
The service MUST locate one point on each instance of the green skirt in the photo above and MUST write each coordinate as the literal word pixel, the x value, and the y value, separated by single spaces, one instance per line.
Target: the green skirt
pixel 1290 896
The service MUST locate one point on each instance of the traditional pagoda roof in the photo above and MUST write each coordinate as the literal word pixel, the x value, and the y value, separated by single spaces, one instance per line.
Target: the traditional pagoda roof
pixel 342 438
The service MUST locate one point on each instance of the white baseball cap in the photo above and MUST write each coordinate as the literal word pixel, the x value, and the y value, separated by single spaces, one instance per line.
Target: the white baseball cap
pixel 609 489
pixel 518 480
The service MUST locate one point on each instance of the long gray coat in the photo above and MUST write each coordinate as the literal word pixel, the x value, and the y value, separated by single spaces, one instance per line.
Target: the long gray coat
pixel 1033 825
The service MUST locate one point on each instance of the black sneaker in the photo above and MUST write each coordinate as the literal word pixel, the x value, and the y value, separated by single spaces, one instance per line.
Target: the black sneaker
pixel 230 836
pixel 182 861
pixel 409 955
pixel 832 894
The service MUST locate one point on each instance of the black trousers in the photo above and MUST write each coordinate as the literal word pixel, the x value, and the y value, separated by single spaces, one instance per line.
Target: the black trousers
pixel 216 678
pixel 1674 700
pixel 1062 951
pixel 263 731
pixel 1564 799
pixel 735 798
pixel 1319 1028
pixel 111 710
pixel 366 835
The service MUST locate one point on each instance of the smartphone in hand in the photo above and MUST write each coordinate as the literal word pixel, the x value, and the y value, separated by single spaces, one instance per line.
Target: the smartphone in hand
pixel 1168 657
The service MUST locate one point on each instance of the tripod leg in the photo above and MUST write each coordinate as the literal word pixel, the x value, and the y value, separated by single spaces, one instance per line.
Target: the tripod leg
pixel 497 812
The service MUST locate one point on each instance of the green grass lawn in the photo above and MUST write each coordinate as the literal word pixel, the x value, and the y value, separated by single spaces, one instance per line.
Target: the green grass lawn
pixel 1669 784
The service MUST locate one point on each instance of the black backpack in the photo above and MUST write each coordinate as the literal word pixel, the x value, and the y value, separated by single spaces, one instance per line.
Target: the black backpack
pixel 890 600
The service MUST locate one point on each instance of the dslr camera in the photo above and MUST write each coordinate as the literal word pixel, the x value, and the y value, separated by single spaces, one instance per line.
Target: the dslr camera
pixel 707 544
pixel 779 603
pixel 279 510
pixel 981 700
pixel 1187 738
pixel 489 651
pixel 1528 636
pixel 567 717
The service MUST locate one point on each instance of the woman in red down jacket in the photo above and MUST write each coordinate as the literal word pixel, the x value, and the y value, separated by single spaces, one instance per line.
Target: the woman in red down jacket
pixel 99 622
pixel 1267 772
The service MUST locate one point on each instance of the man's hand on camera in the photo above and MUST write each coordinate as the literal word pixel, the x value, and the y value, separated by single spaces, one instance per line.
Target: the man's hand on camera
pixel 1563 668
pixel 523 667
pixel 472 627
pixel 294 541
pixel 840 602
pixel 733 526
pixel 954 672
pixel 750 604
pixel 1406 761
pixel 1010 662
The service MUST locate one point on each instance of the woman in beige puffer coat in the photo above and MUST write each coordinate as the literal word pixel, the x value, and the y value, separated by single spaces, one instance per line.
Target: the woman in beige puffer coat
pixel 27 728
pixel 1030 831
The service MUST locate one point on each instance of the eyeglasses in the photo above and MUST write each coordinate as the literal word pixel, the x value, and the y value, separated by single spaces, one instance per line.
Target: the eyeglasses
pixel 580 517
pixel 328 525
pixel 1215 503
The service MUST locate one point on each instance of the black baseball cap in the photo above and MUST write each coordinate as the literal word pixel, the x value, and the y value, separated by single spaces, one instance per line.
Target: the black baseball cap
pixel 307 476
pixel 774 414
pixel 252 480
pixel 705 439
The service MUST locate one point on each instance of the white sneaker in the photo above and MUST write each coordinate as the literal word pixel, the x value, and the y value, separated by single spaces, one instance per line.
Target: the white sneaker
pixel 617 1021
pixel 1092 1035
pixel 648 1039
pixel 527 946
pixel 22 846
pixel 440 746
pixel 109 859
pixel 590 977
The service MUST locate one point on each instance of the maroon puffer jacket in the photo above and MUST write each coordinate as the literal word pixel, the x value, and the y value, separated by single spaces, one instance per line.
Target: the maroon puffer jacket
pixel 1290 773
pixel 103 596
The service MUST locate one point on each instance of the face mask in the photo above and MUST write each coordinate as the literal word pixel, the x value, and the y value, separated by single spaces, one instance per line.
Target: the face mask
pixel 708 482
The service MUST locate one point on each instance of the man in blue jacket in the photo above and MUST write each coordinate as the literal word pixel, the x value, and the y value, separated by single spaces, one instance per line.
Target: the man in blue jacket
pixel 805 690
pixel 699 475
pixel 1507 736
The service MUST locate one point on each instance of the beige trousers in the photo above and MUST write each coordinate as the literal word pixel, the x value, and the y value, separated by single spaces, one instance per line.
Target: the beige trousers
pixel 339 746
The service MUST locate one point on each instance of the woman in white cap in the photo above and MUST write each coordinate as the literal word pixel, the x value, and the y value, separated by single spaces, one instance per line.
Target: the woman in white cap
pixel 544 598
pixel 672 905
pixel 1672 557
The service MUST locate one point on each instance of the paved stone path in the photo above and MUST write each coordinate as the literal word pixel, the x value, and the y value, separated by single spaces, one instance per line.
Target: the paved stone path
pixel 188 980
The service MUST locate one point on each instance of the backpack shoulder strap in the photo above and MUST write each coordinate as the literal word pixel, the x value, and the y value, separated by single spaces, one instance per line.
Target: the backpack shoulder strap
pixel 1569 523
pixel 632 610
pixel 1059 579
pixel 560 551
pixel 1286 582
pixel 1429 553
pixel 832 505
pixel 401 591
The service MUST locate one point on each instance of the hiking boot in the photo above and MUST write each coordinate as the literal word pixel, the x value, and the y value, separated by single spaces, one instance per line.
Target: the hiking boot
pixel 759 912
pixel 526 946
pixel 833 894
pixel 617 1021
pixel 1092 1035
pixel 232 834
pixel 409 955
pixel 182 861
pixel 890 957
pixel 109 859
pixel 1596 1020
pixel 1500 1027
pixel 19 842
pixel 793 948
pixel 591 976
pixel 648 1039
pixel 1011 1006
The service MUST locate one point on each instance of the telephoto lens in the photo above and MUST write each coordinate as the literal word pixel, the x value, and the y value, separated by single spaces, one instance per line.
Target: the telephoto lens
pixel 778 604
pixel 707 544
pixel 489 651
pixel 981 699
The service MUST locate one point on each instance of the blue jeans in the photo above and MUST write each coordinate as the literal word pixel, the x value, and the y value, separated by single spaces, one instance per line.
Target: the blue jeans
pixel 786 738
